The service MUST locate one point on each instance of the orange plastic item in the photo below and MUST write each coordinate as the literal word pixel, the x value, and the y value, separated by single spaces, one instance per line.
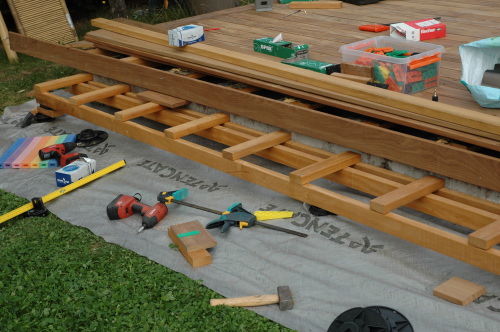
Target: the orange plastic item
pixel 374 27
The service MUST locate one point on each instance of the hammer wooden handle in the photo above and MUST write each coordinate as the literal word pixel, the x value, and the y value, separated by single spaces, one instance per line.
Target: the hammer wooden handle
pixel 247 301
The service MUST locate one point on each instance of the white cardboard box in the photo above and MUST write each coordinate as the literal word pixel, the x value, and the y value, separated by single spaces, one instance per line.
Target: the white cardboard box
pixel 185 35
pixel 418 30
pixel 75 171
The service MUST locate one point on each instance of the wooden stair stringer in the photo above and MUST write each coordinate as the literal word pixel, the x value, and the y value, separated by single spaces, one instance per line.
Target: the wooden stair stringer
pixel 441 241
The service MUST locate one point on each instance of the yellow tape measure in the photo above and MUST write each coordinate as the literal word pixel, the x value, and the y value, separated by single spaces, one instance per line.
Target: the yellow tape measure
pixel 64 190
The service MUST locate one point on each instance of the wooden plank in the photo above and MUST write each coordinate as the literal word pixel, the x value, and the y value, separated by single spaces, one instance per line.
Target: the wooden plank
pixel 325 167
pixel 100 94
pixel 459 291
pixel 162 99
pixel 406 194
pixel 4 36
pixel 138 111
pixel 354 78
pixel 407 229
pixel 355 69
pixel 465 166
pixel 202 240
pixel 316 5
pixel 197 125
pixel 416 105
pixel 63 82
pixel 50 113
pixel 256 144
pixel 486 237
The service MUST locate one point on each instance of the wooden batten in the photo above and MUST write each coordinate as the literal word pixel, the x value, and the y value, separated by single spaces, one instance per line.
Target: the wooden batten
pixel 138 111
pixel 63 82
pixel 406 194
pixel 459 291
pixel 50 113
pixel 100 94
pixel 325 167
pixel 162 99
pixel 315 5
pixel 486 237
pixel 257 144
pixel 197 125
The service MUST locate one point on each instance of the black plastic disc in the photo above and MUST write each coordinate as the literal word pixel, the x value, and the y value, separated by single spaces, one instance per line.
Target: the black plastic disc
pixel 359 320
pixel 89 137
pixel 317 211
pixel 395 319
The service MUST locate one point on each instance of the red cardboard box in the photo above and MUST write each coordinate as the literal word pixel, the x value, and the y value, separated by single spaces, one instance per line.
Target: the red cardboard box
pixel 419 30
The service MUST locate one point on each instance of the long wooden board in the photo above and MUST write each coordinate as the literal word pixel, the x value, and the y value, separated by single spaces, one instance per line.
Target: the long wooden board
pixel 456 163
pixel 416 105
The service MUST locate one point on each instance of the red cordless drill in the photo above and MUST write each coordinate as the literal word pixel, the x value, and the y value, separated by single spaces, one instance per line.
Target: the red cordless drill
pixel 124 206
pixel 56 151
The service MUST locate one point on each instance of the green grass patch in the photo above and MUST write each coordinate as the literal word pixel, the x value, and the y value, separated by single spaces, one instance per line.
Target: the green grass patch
pixel 59 277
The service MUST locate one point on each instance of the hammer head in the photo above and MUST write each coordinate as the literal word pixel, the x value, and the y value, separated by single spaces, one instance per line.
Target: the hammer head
pixel 286 298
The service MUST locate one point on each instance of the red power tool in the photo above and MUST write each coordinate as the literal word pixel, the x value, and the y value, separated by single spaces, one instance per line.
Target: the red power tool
pixel 56 151
pixel 124 206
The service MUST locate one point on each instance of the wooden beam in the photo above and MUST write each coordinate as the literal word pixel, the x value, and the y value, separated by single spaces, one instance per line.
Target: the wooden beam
pixel 162 99
pixel 256 144
pixel 197 125
pixel 315 5
pixel 100 94
pixel 481 121
pixel 63 82
pixel 486 237
pixel 406 194
pixel 455 163
pixel 325 167
pixel 138 111
pixel 4 36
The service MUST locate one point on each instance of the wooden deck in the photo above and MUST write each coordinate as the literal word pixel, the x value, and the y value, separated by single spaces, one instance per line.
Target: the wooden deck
pixel 325 30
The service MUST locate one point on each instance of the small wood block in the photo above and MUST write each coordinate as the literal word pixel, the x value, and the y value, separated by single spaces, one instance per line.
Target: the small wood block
pixel 255 145
pixel 459 291
pixel 197 125
pixel 162 99
pixel 202 240
pixel 63 82
pixel 49 113
pixel 357 70
pixel 406 194
pixel 325 167
pixel 486 237
pixel 103 93
pixel 315 4
pixel 137 111
pixel 193 247
pixel 196 258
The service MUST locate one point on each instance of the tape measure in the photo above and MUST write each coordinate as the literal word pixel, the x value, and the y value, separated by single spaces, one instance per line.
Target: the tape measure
pixel 63 190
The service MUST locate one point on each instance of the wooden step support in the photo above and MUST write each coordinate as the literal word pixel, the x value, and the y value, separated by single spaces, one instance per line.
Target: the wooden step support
pixel 257 144
pixel 100 94
pixel 138 111
pixel 406 194
pixel 197 125
pixel 63 82
pixel 486 237
pixel 325 167
pixel 162 99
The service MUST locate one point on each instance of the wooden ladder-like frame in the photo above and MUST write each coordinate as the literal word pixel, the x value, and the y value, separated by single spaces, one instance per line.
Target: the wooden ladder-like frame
pixel 392 190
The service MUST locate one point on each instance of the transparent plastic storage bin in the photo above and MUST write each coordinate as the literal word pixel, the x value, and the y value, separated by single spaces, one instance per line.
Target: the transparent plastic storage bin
pixel 409 74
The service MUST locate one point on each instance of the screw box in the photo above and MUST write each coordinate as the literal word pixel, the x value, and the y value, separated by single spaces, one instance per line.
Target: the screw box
pixel 408 74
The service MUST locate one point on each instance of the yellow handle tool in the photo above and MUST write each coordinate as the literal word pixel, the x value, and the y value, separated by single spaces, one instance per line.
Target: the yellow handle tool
pixel 63 190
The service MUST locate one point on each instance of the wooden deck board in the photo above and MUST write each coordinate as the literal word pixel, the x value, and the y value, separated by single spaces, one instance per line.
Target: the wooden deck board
pixel 326 30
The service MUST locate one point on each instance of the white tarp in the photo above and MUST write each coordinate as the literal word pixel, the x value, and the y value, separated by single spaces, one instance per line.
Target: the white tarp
pixel 339 266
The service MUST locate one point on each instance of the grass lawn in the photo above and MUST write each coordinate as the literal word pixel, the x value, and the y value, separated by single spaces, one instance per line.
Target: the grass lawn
pixel 58 277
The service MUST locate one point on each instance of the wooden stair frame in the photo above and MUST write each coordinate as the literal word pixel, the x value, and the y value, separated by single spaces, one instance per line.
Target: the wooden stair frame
pixel 427 195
